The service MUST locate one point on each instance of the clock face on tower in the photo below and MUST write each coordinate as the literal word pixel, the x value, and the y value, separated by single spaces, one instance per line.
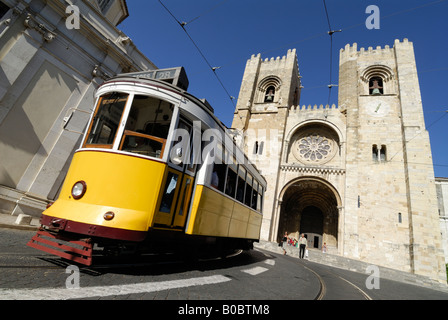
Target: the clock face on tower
pixel 377 108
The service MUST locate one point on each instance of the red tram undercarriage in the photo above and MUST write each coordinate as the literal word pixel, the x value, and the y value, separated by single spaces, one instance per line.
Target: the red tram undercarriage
pixel 75 241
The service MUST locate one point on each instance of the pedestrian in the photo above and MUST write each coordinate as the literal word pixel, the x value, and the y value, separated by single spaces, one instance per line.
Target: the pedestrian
pixel 324 248
pixel 285 240
pixel 303 245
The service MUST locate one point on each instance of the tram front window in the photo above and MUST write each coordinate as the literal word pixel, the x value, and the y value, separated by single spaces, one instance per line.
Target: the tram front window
pixel 147 126
pixel 106 121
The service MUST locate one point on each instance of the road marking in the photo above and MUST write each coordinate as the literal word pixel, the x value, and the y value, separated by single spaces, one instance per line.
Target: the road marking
pixel 270 262
pixel 117 290
pixel 255 271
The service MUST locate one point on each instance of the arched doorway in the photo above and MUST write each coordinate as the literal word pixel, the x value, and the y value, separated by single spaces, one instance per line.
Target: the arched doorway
pixel 310 206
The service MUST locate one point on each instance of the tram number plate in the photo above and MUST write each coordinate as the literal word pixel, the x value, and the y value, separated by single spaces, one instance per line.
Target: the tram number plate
pixel 166 74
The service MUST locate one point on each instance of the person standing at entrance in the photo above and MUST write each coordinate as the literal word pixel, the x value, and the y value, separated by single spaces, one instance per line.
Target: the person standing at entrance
pixel 303 245
pixel 284 242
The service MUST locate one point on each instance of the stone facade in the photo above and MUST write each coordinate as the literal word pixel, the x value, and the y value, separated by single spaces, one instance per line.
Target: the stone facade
pixel 48 74
pixel 359 176
pixel 442 197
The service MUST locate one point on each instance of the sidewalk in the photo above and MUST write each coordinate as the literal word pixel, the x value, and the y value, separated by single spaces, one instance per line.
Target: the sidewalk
pixel 337 261
pixel 9 222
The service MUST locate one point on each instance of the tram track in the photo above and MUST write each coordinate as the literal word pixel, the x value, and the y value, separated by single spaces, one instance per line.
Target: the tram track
pixel 322 294
pixel 323 288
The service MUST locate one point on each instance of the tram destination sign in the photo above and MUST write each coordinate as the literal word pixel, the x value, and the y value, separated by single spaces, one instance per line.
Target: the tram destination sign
pixel 176 76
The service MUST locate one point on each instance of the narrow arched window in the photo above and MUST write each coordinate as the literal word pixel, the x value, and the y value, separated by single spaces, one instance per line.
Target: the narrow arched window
pixel 375 153
pixel 376 86
pixel 270 94
pixel 383 153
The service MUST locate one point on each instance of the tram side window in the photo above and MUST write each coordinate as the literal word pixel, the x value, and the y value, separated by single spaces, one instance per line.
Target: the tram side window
pixel 106 120
pixel 248 197
pixel 254 195
pixel 231 183
pixel 241 184
pixel 147 126
pixel 260 199
pixel 219 176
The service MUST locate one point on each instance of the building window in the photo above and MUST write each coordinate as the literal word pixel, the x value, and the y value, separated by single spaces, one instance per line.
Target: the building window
pixel 378 80
pixel 379 155
pixel 376 86
pixel 375 153
pixel 383 153
pixel 400 218
pixel 3 9
pixel 103 4
pixel 270 94
pixel 268 89
pixel 258 148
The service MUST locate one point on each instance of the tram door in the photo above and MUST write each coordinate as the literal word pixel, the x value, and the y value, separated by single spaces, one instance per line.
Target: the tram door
pixel 177 188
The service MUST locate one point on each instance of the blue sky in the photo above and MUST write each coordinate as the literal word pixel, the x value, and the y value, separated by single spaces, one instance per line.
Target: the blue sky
pixel 228 32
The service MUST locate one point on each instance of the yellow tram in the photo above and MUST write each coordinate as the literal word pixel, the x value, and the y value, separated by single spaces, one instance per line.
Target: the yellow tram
pixel 156 170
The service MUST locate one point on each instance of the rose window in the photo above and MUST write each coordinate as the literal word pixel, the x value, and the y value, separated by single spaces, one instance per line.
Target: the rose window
pixel 314 148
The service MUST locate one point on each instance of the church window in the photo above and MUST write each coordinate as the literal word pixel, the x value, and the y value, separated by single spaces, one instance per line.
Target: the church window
pixel 3 9
pixel 268 89
pixel 258 147
pixel 383 153
pixel 400 217
pixel 376 86
pixel 379 155
pixel 314 144
pixel 375 153
pixel 378 80
pixel 315 147
pixel 270 94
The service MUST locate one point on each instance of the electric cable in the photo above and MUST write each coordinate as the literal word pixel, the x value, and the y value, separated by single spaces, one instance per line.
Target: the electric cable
pixel 330 33
pixel 213 69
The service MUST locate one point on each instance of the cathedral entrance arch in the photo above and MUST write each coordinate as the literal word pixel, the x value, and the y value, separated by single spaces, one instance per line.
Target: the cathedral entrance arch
pixel 310 206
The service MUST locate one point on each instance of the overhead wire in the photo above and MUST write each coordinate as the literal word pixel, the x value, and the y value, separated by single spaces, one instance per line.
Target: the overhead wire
pixel 213 69
pixel 321 34
pixel 330 33
pixel 427 129
pixel 205 12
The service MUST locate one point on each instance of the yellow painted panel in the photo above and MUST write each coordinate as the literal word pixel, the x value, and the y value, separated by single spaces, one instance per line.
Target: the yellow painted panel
pixel 253 232
pixel 241 213
pixel 194 214
pixel 128 186
pixel 254 225
pixel 212 224
pixel 215 202
pixel 216 215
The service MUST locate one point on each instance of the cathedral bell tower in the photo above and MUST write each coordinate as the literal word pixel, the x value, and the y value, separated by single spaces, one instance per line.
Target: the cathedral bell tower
pixel 391 216
pixel 268 89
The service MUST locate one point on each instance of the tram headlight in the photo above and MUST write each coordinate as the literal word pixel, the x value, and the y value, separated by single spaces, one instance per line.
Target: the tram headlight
pixel 109 216
pixel 79 190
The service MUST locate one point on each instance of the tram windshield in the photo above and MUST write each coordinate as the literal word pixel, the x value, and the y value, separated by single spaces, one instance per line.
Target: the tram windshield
pixel 106 120
pixel 147 126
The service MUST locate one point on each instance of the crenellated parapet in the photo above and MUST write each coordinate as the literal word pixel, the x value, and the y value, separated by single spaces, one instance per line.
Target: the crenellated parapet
pixel 313 108
pixel 351 52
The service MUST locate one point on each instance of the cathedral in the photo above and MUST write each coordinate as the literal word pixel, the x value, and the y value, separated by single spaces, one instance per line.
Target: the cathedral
pixel 357 177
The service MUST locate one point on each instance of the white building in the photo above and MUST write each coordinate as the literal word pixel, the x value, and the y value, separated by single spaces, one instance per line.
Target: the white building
pixel 51 61
pixel 442 197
